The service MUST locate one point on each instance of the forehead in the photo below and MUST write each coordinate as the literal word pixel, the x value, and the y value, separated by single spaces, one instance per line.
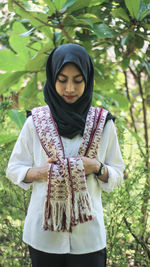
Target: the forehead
pixel 70 68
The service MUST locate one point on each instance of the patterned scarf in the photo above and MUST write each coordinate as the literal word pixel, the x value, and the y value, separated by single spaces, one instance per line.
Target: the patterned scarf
pixel 68 202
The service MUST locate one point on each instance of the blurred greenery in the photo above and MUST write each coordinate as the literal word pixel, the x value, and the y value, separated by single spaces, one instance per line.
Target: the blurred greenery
pixel 116 36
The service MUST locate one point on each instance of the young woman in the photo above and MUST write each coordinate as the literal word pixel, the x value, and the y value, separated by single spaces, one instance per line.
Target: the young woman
pixel 68 152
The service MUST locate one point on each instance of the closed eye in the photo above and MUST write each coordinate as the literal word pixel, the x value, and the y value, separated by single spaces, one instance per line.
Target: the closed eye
pixel 78 81
pixel 62 81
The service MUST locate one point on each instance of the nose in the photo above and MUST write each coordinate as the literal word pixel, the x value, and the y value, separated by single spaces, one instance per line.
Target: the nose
pixel 70 87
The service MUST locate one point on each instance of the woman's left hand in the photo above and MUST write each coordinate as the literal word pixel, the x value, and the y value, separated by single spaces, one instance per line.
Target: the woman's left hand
pixel 90 165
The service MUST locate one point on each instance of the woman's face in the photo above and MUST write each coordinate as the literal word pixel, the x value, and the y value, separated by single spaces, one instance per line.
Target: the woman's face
pixel 70 83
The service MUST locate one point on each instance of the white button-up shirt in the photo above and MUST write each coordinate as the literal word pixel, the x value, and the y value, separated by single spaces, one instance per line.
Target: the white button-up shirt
pixel 86 237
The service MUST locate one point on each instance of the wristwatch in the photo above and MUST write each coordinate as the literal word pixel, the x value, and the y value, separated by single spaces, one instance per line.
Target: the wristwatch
pixel 101 170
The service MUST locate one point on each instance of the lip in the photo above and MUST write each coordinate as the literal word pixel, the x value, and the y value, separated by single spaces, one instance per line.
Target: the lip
pixel 69 96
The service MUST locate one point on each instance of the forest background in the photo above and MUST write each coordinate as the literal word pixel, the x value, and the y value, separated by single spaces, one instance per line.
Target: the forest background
pixel 116 35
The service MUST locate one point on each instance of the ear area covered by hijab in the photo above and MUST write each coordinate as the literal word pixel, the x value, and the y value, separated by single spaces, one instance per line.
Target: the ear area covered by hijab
pixel 70 118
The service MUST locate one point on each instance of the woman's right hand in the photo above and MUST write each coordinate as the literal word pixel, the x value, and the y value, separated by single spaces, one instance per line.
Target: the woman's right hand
pixel 38 173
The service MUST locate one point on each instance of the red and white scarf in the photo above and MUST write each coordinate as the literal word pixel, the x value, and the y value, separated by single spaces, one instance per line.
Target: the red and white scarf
pixel 68 202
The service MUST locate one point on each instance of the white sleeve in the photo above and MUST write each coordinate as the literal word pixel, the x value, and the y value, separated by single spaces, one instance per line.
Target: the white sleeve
pixel 112 159
pixel 22 157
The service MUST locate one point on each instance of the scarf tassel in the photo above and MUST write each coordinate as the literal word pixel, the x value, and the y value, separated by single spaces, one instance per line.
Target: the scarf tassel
pixel 60 216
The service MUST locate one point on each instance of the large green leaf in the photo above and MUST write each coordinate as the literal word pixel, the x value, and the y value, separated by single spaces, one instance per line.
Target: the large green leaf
pixel 59 4
pixel 18 42
pixel 74 5
pixel 10 5
pixel 121 100
pixel 36 18
pixel 36 63
pixel 48 33
pixel 9 61
pixel 17 117
pixel 72 21
pixel 8 81
pixel 34 7
pixel 103 31
pixel 51 5
pixel 28 97
pixel 147 66
pixel 7 138
pixel 144 11
pixel 125 63
pixel 120 13
pixel 69 3
pixel 133 7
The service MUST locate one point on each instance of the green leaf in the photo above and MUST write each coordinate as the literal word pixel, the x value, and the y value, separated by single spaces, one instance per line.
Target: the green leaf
pixel 73 5
pixel 59 4
pixel 138 41
pixel 48 33
pixel 147 66
pixel 36 18
pixel 46 49
pixel 146 26
pixel 7 138
pixel 24 34
pixel 145 14
pixel 23 13
pixel 17 117
pixel 28 97
pixel 69 3
pixel 18 44
pixel 32 7
pixel 51 5
pixel 132 38
pixel 103 31
pixel 125 63
pixel 95 2
pixel 127 39
pixel 36 63
pixel 121 100
pixel 89 16
pixel 85 38
pixel 102 82
pixel 10 5
pixel 9 61
pixel 133 7
pixel 18 27
pixel 8 81
pixel 72 21
pixel 120 13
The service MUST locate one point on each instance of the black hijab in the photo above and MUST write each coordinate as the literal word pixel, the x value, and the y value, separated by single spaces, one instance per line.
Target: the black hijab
pixel 70 118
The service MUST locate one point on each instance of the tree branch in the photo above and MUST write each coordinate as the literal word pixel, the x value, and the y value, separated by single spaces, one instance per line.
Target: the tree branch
pixel 139 241
pixel 131 112
pixel 147 182
pixel 59 26
pixel 144 114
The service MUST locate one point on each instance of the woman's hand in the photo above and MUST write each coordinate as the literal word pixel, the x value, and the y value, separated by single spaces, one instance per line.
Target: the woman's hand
pixel 90 165
pixel 39 173
pixel 93 166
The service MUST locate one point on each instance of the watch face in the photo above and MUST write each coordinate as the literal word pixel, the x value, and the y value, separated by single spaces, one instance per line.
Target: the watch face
pixel 103 170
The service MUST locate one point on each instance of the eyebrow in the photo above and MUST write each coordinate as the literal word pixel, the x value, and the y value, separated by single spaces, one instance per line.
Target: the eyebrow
pixel 76 76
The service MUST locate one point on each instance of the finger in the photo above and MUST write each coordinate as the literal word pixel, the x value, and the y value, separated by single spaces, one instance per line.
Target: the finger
pixel 52 160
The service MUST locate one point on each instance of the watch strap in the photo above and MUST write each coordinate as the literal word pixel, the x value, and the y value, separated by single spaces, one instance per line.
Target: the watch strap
pixel 99 173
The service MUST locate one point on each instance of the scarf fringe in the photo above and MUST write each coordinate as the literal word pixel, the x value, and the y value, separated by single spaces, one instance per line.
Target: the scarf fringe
pixel 60 216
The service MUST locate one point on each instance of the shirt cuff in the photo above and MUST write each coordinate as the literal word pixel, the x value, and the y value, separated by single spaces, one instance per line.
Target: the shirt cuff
pixel 18 180
pixel 114 180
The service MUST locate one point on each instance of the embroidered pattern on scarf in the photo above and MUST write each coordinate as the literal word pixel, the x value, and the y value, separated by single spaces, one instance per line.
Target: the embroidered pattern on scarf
pixel 68 202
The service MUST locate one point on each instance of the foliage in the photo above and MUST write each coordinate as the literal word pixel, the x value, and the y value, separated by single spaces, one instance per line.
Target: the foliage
pixel 116 35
